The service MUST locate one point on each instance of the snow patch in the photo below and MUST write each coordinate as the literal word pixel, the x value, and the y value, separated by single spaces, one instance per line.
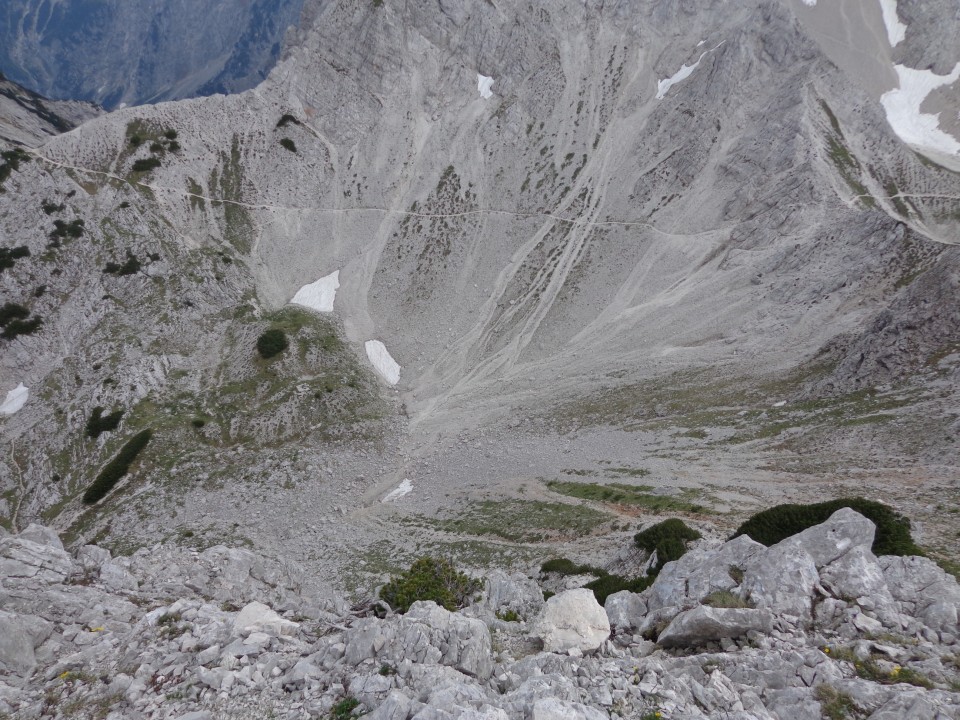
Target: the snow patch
pixel 16 399
pixel 682 74
pixel 896 30
pixel 484 84
pixel 319 295
pixel 810 3
pixel 382 362
pixel 918 129
pixel 402 489
pixel 780 404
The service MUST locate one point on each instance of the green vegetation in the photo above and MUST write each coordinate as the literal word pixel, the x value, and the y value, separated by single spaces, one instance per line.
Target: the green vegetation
pixel 98 423
pixel 145 165
pixel 508 615
pixel 433 579
pixel 50 207
pixel 11 162
pixel 116 468
pixel 287 119
pixel 668 539
pixel 271 343
pixel 622 494
pixel 288 144
pixel 9 256
pixel 870 669
pixel 13 320
pixel 835 705
pixel 780 522
pixel 605 584
pixel 62 230
pixel 130 267
pixel 526 520
pixel 344 709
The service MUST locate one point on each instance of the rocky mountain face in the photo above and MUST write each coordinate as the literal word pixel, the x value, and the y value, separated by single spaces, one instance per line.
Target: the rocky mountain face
pixel 815 626
pixel 28 119
pixel 680 249
pixel 120 53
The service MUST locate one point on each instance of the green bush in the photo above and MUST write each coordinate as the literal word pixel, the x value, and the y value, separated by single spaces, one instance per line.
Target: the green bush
pixel 610 584
pixel 272 343
pixel 565 566
pixel 50 207
pixel 344 709
pixel 668 538
pixel 12 311
pixel 429 579
pixel 286 119
pixel 146 164
pixel 15 328
pixel 9 256
pixel 98 423
pixel 288 144
pixel 782 521
pixel 116 468
pixel 130 267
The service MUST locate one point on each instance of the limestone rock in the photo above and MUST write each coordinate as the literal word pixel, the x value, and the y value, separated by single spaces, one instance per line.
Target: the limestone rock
pixel 573 619
pixel 553 709
pixel 257 617
pixel 625 610
pixel 704 623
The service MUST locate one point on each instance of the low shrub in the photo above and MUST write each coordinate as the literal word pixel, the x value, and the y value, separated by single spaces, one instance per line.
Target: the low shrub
pixel 50 207
pixel 288 144
pixel 130 267
pixel 146 164
pixel 12 311
pixel 668 538
pixel 271 343
pixel 344 709
pixel 782 521
pixel 724 599
pixel 9 256
pixel 429 579
pixel 565 566
pixel 98 423
pixel 286 119
pixel 609 584
pixel 15 328
pixel 116 468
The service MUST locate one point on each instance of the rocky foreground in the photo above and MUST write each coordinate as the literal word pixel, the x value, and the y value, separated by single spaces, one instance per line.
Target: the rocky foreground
pixel 815 626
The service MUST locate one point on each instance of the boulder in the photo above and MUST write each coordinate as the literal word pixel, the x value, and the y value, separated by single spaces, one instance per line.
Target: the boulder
pixel 842 531
pixel 703 624
pixel 396 706
pixel 572 620
pixel 20 635
pixel 257 617
pixel 924 590
pixel 700 572
pixel 23 561
pixel 625 610
pixel 782 580
pixel 856 574
pixel 514 592
pixel 41 536
pixel 554 709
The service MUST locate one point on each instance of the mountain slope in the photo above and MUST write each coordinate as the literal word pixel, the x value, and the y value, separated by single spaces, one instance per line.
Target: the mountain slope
pixel 589 270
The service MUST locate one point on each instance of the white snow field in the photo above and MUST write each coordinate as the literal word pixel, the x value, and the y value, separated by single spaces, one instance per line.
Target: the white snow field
pixel 319 295
pixel 896 30
pixel 382 362
pixel 16 399
pixel 682 74
pixel 402 489
pixel 484 84
pixel 916 128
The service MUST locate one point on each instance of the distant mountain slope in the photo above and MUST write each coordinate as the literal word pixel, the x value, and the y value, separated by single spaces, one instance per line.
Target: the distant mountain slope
pixel 113 52
pixel 28 119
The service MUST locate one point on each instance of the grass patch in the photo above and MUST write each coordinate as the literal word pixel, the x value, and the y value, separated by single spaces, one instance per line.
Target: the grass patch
pixel 724 599
pixel 635 495
pixel 835 705
pixel 527 521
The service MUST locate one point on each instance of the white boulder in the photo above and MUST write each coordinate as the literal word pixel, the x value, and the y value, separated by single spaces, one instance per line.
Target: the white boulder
pixel 573 620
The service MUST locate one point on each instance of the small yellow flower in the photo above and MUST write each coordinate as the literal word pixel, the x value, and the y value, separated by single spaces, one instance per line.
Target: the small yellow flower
pixel 827 650
pixel 99 628
pixel 64 674
pixel 896 670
